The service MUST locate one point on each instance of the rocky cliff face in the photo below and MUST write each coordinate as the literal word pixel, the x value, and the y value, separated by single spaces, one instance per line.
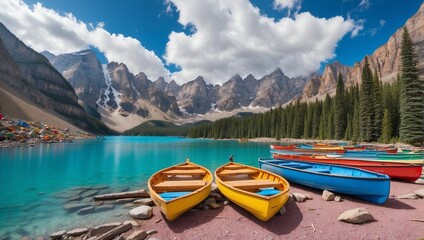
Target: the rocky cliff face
pixel 329 77
pixel 84 72
pixel 385 61
pixel 196 96
pixel 274 89
pixel 31 74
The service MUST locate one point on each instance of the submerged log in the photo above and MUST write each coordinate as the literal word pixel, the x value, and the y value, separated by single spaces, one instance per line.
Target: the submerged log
pixel 133 194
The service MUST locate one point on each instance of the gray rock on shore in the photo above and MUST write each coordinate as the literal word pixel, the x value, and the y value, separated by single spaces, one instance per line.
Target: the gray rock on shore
pixel 142 212
pixel 57 235
pixel 77 232
pixel 356 216
pixel 420 193
pixel 328 196
pixel 137 235
pixel 102 229
pixel 408 196
pixel 299 197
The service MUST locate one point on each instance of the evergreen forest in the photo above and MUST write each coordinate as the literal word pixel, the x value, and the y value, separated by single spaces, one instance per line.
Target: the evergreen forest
pixel 370 112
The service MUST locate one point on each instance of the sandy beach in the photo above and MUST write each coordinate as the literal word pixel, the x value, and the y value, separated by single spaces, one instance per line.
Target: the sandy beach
pixel 313 219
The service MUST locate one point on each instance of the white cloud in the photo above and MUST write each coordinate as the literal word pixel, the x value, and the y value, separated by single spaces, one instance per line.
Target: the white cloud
pixel 382 22
pixel 233 37
pixel 359 26
pixel 282 4
pixel 46 29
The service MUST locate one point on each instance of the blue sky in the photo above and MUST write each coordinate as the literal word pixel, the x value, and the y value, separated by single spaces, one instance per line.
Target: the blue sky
pixel 151 22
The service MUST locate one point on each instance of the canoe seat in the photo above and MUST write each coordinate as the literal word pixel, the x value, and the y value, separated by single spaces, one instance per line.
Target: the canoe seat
pixel 252 184
pixel 185 185
pixel 167 196
pixel 268 192
pixel 233 167
pixel 318 170
pixel 185 172
pixel 186 167
pixel 226 172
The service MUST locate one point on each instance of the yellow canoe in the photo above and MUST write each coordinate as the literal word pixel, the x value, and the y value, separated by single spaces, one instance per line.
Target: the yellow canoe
pixel 260 192
pixel 179 188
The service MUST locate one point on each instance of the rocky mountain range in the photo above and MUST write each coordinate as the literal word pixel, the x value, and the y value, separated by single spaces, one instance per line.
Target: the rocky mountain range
pixel 122 100
pixel 115 89
pixel 30 76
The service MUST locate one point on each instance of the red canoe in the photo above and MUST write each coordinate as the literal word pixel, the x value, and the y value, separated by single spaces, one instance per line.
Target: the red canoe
pixel 401 171
pixel 294 148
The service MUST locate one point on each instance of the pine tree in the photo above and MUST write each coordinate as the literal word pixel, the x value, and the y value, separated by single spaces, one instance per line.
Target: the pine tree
pixel 386 132
pixel 340 106
pixel 411 128
pixel 366 115
pixel 378 110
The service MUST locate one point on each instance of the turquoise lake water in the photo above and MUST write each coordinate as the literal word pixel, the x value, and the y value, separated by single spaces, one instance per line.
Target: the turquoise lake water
pixel 37 182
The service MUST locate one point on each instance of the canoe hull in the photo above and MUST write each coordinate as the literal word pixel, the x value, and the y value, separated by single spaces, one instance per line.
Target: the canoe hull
pixel 375 190
pixel 401 171
pixel 262 207
pixel 175 207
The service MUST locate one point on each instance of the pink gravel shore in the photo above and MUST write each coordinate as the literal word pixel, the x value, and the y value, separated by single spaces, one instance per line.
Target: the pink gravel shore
pixel 313 219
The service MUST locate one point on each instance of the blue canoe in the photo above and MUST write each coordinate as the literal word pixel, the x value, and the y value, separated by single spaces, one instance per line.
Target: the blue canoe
pixel 365 185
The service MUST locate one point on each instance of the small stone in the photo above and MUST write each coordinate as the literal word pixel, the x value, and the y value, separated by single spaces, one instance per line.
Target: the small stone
pixel 214 205
pixel 338 199
pixel 77 232
pixel 199 206
pixel 86 210
pixel 137 235
pixel 144 201
pixel 328 196
pixel 420 193
pixel 298 197
pixel 214 187
pixel 150 232
pixel 408 196
pixel 357 215
pixel 209 201
pixel 132 222
pixel 57 235
pixel 308 197
pixel 206 208
pixel 142 212
pixel 420 181
pixel 218 197
pixel 282 210
pixel 102 229
pixel 105 207
pixel 226 203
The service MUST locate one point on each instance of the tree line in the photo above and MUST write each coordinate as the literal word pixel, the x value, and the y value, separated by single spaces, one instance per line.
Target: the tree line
pixel 370 112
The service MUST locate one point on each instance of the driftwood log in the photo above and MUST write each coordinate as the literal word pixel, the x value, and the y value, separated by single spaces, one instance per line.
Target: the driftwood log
pixel 112 196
